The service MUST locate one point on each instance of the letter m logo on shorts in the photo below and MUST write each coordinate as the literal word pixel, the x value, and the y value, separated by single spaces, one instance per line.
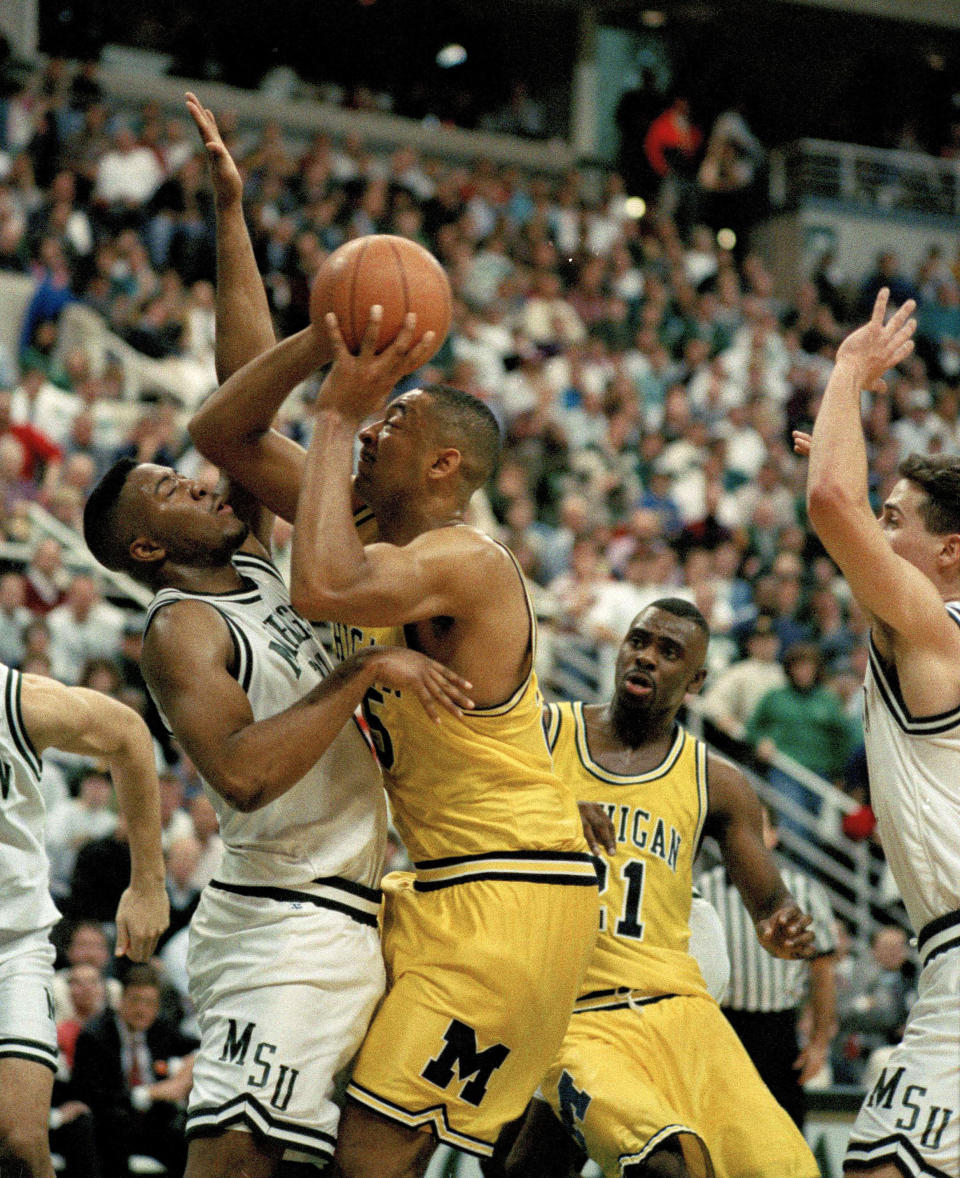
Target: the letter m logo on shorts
pixel 474 1068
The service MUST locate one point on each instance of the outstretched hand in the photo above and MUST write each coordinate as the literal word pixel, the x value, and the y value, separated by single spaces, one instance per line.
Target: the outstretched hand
pixel 787 933
pixel 436 686
pixel 224 173
pixel 359 384
pixel 878 346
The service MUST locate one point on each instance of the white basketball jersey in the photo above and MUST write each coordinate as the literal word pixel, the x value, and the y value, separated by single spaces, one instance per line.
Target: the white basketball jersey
pixel 25 902
pixel 914 767
pixel 333 821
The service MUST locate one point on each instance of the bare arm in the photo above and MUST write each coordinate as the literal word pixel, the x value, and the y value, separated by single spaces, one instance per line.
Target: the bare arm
pixel 735 821
pixel 823 1010
pixel 91 724
pixel 333 575
pixel 886 585
pixel 186 660
pixel 244 327
pixel 232 428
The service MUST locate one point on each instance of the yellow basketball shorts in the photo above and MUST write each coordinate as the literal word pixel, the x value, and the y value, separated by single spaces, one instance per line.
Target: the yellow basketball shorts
pixel 630 1077
pixel 481 980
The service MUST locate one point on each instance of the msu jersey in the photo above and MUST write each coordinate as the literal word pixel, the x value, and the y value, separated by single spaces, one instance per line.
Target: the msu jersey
pixel 914 792
pixel 333 821
pixel 25 903
pixel 646 886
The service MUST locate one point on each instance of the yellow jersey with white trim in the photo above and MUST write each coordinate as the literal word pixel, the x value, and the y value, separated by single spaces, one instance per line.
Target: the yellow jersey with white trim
pixel 646 886
pixel 475 796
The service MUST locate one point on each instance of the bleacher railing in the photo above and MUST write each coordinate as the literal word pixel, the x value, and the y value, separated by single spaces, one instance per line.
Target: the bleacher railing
pixel 866 177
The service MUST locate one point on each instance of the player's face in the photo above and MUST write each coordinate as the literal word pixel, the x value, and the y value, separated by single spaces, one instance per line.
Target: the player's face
pixel 660 661
pixel 183 515
pixel 903 526
pixel 392 450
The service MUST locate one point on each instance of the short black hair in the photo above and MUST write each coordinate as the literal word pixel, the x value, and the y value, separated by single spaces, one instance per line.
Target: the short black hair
pixel 141 974
pixel 101 524
pixel 466 421
pixel 938 476
pixel 681 608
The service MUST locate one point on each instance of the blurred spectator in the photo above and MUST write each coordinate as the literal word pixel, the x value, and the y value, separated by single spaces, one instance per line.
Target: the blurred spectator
pixel 732 699
pixel 206 828
pixel 135 1072
pixel 46 578
pixel 887 273
pixel 805 721
pixel 83 627
pixel 672 147
pixel 38 453
pixel 871 1011
pixel 100 876
pixel 87 945
pixel 74 822
pixel 175 822
pixel 14 617
pixel 87 989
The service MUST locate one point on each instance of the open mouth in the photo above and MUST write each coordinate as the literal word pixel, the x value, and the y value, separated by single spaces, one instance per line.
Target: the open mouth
pixel 637 684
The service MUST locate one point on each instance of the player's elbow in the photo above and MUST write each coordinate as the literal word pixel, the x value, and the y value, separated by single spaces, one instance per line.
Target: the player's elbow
pixel 826 499
pixel 311 597
pixel 241 792
pixel 206 434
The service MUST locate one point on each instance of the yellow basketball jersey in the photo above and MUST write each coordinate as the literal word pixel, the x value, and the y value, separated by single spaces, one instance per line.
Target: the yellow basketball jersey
pixel 645 888
pixel 479 789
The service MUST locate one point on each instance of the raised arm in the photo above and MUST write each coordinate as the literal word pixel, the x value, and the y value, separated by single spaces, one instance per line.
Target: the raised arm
pixel 735 820
pixel 186 658
pixel 886 586
pixel 232 428
pixel 244 328
pixel 94 725
pixel 333 576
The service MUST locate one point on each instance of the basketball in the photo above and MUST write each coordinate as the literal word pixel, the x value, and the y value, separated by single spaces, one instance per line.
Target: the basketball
pixel 381 268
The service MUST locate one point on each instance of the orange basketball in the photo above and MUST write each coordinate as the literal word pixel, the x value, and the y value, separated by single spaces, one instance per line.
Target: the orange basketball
pixel 381 268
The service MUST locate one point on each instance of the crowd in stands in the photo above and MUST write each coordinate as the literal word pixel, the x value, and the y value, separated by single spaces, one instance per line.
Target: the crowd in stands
pixel 646 381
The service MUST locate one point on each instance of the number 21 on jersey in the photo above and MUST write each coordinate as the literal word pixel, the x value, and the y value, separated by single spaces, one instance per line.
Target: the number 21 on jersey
pixel 628 923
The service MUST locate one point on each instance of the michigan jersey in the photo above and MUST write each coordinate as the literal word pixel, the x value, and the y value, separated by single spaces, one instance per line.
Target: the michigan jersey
pixel 914 764
pixel 646 887
pixel 25 903
pixel 480 784
pixel 331 826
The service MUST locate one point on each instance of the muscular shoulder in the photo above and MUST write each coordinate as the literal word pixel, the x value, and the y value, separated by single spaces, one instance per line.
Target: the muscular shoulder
pixel 183 634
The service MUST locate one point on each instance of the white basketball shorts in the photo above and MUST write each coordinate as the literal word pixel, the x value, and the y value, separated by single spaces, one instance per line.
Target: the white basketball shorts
pixel 911 1118
pixel 283 992
pixel 27 1026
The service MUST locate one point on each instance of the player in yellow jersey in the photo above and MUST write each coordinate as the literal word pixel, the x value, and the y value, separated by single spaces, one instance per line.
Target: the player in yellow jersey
pixel 486 947
pixel 651 1079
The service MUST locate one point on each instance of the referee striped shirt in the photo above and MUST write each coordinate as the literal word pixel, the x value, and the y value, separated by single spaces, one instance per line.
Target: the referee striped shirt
pixel 758 981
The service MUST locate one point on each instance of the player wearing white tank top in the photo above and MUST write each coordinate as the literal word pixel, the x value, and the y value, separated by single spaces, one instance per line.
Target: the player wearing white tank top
pixel 904 570
pixel 36 713
pixel 284 960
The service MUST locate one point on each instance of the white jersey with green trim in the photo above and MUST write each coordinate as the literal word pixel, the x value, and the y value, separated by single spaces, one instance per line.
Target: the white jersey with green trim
pixel 25 901
pixel 333 822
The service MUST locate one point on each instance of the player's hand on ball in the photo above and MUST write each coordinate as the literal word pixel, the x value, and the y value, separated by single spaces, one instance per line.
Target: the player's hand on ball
pixel 787 933
pixel 359 384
